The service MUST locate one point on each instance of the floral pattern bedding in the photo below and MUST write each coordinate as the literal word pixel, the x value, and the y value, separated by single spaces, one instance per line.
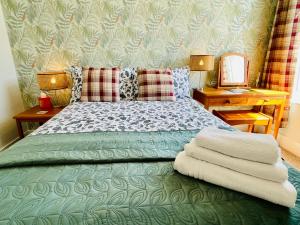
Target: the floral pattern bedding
pixel 122 177
pixel 81 117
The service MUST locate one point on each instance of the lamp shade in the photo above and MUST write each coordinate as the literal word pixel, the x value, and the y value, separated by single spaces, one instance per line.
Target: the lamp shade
pixel 201 62
pixel 52 80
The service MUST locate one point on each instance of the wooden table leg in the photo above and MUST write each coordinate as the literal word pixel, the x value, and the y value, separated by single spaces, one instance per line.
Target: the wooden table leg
pixel 280 110
pixel 268 128
pixel 250 128
pixel 20 129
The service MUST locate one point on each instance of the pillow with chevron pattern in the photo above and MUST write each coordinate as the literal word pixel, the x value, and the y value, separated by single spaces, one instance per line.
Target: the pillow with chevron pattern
pixel 128 84
pixel 181 82
pixel 76 74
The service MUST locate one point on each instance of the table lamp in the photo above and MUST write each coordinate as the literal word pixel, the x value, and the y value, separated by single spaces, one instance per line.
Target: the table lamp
pixel 52 81
pixel 201 63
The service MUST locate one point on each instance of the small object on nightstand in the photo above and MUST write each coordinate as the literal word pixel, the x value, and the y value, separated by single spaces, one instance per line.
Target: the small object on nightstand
pixel 41 112
pixel 45 102
pixel 35 114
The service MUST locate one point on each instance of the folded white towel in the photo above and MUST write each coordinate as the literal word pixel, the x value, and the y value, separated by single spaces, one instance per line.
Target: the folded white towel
pixel 275 172
pixel 279 193
pixel 255 147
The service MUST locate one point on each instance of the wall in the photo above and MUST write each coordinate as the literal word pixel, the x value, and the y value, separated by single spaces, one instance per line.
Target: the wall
pixel 10 97
pixel 289 138
pixel 52 34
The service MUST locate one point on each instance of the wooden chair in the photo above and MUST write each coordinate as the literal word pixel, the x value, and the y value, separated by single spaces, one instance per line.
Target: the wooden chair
pixel 249 117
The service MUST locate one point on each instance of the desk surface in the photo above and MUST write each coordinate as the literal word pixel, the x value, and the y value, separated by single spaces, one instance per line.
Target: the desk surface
pixel 213 92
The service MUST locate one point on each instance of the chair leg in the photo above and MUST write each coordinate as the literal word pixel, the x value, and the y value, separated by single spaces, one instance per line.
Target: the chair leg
pixel 250 128
pixel 268 128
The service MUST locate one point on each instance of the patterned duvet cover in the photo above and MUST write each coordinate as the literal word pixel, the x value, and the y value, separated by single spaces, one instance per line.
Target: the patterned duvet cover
pixel 121 177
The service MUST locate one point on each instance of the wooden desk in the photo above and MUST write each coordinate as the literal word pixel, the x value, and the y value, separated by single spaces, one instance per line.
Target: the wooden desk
pixel 255 97
pixel 31 115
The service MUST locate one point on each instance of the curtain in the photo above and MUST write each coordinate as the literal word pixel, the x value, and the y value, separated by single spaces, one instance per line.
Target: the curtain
pixel 280 63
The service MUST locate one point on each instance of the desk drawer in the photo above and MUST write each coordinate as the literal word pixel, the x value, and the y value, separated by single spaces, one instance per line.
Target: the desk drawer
pixel 228 101
pixel 265 101
pixel 244 101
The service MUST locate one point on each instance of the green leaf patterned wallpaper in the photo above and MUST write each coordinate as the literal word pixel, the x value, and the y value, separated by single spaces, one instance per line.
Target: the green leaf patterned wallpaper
pixel 53 34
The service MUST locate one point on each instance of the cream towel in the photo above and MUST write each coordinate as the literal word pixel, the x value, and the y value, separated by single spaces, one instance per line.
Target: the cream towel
pixel 280 193
pixel 275 172
pixel 255 147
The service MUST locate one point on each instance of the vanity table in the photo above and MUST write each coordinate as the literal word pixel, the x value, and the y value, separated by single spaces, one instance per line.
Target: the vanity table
pixel 210 97
pixel 233 90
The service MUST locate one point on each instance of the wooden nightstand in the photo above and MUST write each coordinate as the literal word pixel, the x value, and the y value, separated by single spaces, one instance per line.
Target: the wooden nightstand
pixel 32 115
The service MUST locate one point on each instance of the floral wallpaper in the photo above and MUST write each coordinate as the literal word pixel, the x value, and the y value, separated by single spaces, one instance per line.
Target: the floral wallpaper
pixel 53 34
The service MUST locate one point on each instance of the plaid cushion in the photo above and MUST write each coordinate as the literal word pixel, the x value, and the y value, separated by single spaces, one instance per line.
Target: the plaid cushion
pixel 100 85
pixel 156 85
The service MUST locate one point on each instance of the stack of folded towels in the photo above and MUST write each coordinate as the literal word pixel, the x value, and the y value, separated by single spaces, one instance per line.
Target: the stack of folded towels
pixel 245 162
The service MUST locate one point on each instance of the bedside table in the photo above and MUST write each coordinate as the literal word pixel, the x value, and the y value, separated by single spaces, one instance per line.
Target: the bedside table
pixel 32 115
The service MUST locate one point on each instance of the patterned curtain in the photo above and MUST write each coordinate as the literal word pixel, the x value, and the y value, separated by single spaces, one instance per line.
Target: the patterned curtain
pixel 280 64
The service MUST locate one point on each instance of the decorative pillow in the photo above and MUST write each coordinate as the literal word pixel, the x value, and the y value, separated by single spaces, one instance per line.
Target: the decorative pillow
pixel 128 84
pixel 181 82
pixel 76 74
pixel 156 85
pixel 100 84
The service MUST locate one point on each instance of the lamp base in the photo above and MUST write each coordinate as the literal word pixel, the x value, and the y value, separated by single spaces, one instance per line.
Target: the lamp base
pixel 202 80
pixel 59 98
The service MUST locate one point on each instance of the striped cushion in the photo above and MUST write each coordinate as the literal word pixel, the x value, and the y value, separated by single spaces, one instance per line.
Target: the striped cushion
pixel 156 85
pixel 100 85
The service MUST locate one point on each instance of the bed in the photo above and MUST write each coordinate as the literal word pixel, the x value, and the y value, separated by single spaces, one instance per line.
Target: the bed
pixel 112 163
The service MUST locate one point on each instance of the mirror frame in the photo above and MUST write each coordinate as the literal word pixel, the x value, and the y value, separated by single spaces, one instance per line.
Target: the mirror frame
pixel 221 73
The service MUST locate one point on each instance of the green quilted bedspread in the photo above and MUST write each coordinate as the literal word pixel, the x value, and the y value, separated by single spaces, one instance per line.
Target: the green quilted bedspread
pixel 120 178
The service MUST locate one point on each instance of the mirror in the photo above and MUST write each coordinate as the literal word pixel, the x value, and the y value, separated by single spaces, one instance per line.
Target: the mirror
pixel 233 71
